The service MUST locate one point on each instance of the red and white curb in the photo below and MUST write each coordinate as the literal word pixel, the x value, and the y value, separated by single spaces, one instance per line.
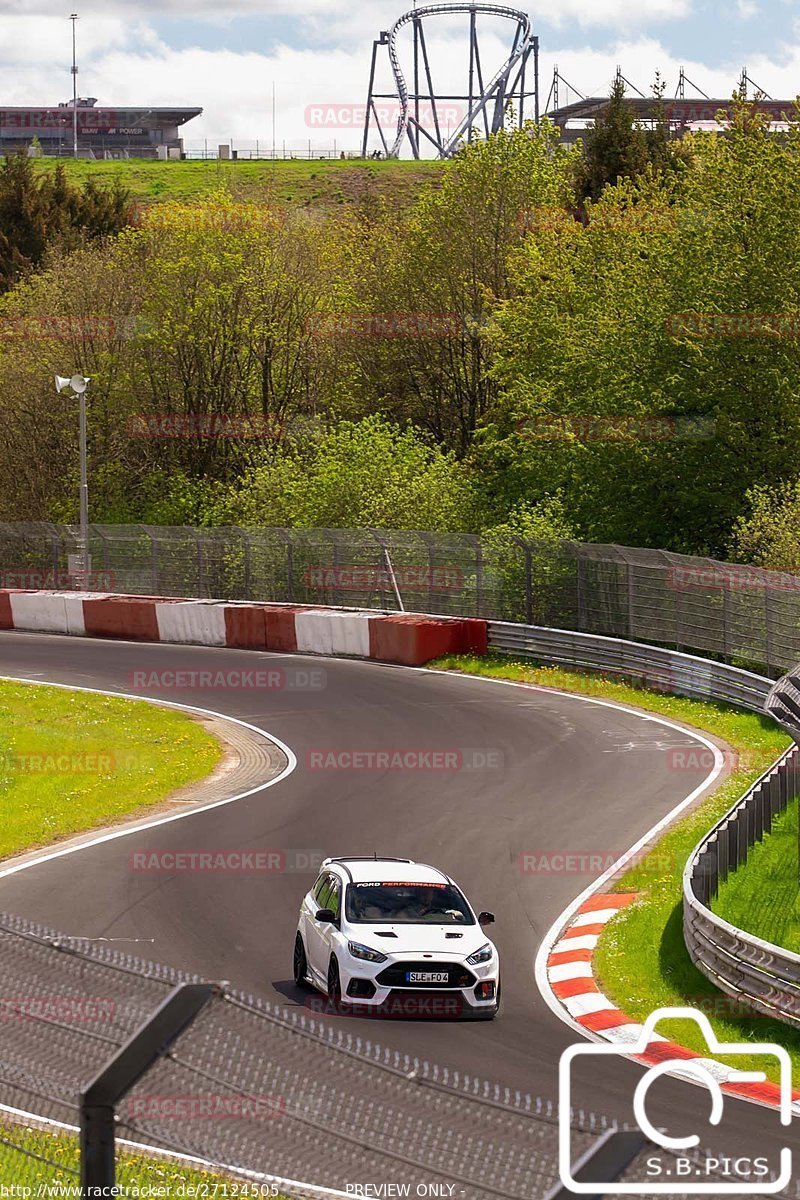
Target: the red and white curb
pixel 572 981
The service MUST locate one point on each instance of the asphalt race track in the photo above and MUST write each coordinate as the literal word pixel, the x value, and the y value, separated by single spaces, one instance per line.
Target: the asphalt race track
pixel 565 777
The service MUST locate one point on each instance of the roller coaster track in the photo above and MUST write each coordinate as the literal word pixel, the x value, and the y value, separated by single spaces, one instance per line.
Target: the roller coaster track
pixel 500 91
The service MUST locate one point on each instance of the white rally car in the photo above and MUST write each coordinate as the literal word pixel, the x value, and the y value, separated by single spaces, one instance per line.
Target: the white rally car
pixel 388 936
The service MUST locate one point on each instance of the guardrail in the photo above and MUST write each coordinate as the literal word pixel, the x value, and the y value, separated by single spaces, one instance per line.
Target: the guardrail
pixel 765 977
pixel 651 666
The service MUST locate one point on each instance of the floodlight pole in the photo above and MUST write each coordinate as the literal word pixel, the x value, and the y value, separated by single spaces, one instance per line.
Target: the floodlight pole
pixel 74 18
pixel 78 385
pixel 84 511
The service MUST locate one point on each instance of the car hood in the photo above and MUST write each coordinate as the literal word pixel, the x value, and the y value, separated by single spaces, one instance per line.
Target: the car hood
pixel 424 939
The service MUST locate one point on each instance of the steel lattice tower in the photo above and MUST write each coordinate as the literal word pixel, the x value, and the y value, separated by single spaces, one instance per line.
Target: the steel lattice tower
pixel 486 102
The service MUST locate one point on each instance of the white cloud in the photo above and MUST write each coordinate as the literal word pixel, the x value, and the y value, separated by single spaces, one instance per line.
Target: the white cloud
pixel 746 9
pixel 621 14
pixel 125 63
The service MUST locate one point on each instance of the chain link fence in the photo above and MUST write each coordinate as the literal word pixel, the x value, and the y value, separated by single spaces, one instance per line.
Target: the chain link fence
pixel 738 614
pixel 251 1100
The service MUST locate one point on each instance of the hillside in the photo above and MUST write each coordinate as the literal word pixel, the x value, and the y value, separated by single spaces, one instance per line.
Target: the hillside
pixel 324 183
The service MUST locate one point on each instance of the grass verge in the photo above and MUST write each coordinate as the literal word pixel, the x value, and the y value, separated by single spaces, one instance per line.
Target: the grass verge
pixel 41 1159
pixel 763 897
pixel 641 959
pixel 72 761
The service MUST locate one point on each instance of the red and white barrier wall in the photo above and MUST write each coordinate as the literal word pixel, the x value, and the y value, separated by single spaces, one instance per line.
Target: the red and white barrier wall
pixel 406 639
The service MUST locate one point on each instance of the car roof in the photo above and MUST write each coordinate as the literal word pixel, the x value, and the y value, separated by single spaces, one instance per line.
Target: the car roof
pixel 388 870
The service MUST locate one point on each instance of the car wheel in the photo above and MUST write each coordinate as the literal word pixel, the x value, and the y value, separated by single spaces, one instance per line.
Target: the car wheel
pixel 300 963
pixel 497 1002
pixel 334 984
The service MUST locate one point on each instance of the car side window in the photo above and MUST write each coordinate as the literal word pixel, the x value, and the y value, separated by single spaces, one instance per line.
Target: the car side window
pixel 335 899
pixel 319 888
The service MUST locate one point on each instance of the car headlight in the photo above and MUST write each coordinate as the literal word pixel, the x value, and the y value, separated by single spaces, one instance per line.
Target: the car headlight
pixel 481 956
pixel 359 951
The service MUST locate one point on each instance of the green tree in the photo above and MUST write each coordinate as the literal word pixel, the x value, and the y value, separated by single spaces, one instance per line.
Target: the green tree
pixel 768 535
pixel 41 211
pixel 642 366
pixel 619 146
pixel 444 271
pixel 366 473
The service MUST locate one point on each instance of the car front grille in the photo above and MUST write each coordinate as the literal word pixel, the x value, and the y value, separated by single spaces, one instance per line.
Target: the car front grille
pixel 456 975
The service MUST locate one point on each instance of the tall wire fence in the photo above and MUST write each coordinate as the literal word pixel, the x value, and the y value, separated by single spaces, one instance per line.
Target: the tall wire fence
pixel 273 1099
pixel 739 614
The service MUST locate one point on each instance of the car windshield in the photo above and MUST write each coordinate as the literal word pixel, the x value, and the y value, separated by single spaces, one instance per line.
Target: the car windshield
pixel 406 904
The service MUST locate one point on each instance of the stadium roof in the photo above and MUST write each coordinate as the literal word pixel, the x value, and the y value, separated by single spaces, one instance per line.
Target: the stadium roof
pixel 678 112
pixel 97 120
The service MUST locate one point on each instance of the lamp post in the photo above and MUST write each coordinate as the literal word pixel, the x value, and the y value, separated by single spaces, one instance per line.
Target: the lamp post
pixel 74 18
pixel 77 385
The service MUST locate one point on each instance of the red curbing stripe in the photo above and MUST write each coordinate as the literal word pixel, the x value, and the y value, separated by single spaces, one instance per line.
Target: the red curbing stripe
pixel 606 1018
pixel 570 956
pixel 565 989
pixel 659 1052
pixel 765 1093
pixel 607 900
pixel 576 931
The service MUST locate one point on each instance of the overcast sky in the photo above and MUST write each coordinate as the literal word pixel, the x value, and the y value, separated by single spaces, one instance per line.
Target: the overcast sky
pixel 227 56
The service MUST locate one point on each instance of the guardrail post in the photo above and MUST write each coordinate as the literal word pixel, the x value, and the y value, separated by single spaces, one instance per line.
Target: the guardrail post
pixel 100 1097
pixel 605 1162
pixel 723 852
pixel 580 584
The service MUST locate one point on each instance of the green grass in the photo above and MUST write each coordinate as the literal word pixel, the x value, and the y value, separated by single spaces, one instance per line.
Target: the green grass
pixel 122 756
pixel 325 184
pixel 19 1144
pixel 763 896
pixel 641 959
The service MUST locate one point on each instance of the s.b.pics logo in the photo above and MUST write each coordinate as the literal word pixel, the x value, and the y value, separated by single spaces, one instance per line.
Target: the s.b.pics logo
pixel 675 1164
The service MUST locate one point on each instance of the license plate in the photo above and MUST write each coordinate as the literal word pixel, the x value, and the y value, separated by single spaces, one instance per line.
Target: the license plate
pixel 427 976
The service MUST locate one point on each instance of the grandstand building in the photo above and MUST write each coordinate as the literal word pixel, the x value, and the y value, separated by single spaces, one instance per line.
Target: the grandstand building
pixel 102 132
pixel 681 114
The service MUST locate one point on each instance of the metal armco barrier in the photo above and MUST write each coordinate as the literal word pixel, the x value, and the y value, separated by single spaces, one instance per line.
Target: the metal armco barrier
pixel 763 976
pixel 649 666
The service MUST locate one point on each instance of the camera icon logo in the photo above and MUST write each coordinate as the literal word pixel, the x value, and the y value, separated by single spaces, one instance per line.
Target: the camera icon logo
pixel 677 1166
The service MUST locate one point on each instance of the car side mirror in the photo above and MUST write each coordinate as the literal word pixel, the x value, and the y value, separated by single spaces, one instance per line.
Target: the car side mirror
pixel 486 918
pixel 326 916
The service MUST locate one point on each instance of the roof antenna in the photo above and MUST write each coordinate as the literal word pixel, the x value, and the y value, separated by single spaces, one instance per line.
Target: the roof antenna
pixel 374 855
